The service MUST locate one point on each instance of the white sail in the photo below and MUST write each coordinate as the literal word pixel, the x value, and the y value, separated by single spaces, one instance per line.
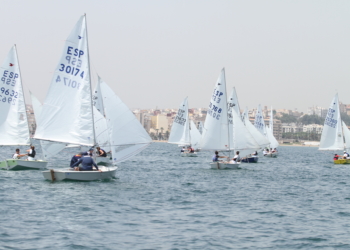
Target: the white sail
pixel 259 121
pixel 244 142
pixel 232 103
pixel 216 132
pixel 332 134
pixel 200 127
pixel 124 128
pixel 195 136
pixel 259 138
pixel 101 131
pixel 271 121
pixel 67 110
pixel 180 130
pixel 273 142
pixel 97 98
pixel 13 117
pixel 346 132
pixel 49 148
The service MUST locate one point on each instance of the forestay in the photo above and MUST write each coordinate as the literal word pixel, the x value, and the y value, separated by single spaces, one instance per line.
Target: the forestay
pixel 332 134
pixel 97 98
pixel 216 132
pixel 67 110
pixel 124 128
pixel 180 131
pixel 13 118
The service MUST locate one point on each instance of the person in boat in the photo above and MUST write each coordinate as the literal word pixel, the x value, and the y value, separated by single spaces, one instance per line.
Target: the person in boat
pixel 275 149
pixel 100 152
pixel 237 158
pixel 74 159
pixel 216 157
pixel 255 154
pixel 346 155
pixel 18 154
pixel 89 152
pixel 234 161
pixel 336 157
pixel 31 153
pixel 190 149
pixel 87 162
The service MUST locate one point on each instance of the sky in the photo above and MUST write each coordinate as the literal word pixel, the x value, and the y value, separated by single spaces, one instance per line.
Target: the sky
pixel 285 54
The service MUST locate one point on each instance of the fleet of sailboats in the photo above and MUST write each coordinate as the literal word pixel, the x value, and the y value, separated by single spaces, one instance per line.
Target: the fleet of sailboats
pixel 74 115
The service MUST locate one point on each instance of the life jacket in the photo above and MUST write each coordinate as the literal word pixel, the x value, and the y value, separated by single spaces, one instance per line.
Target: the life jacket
pixel 32 154
pixel 335 158
pixel 104 153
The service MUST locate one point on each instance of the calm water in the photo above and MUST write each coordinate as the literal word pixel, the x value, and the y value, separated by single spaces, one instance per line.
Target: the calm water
pixel 160 200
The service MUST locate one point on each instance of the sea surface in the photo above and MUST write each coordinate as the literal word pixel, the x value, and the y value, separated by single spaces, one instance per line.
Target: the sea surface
pixel 159 200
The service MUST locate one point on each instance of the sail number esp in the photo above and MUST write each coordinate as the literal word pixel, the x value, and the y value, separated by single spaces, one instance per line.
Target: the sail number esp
pixel 8 95
pixel 329 119
pixel 71 67
pixel 214 110
pixel 179 118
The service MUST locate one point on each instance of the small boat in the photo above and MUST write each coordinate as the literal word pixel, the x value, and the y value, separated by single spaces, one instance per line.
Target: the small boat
pixel 14 128
pixel 250 159
pixel 188 154
pixel 272 155
pixel 70 174
pixel 17 164
pixel 335 132
pixel 224 165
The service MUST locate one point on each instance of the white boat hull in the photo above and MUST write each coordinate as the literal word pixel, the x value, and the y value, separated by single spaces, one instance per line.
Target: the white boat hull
pixel 189 154
pixel 104 161
pixel 273 155
pixel 223 165
pixel 70 174
pixel 17 164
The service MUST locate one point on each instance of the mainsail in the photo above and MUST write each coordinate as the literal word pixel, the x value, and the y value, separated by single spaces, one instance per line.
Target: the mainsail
pixel 216 131
pixel 332 133
pixel 67 114
pixel 14 128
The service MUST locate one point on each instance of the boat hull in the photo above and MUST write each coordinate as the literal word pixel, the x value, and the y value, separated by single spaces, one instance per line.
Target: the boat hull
pixel 223 165
pixel 189 154
pixel 70 174
pixel 17 164
pixel 103 161
pixel 342 161
pixel 273 155
pixel 250 160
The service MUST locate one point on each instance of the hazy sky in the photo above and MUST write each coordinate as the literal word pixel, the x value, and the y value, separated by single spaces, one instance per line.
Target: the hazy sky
pixel 288 54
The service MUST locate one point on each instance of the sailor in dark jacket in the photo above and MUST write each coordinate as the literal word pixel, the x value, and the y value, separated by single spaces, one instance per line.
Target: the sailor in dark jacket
pixel 87 162
pixel 74 159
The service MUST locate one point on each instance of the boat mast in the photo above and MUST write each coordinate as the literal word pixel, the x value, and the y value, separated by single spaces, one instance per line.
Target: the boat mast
pixel 24 100
pixel 228 122
pixel 88 56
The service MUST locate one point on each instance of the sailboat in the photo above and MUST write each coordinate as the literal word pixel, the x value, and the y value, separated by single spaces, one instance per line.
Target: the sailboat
pixel 14 127
pixel 180 133
pixel 216 132
pixel 335 131
pixel 67 113
pixel 260 126
pixel 269 134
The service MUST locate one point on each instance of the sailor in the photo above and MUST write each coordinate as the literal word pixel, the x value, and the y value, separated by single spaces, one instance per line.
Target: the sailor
pixel 100 152
pixel 190 149
pixel 31 153
pixel 216 157
pixel 87 162
pixel 255 153
pixel 183 149
pixel 74 159
pixel 18 155
pixel 264 152
pixel 336 156
pixel 237 157
pixel 346 155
